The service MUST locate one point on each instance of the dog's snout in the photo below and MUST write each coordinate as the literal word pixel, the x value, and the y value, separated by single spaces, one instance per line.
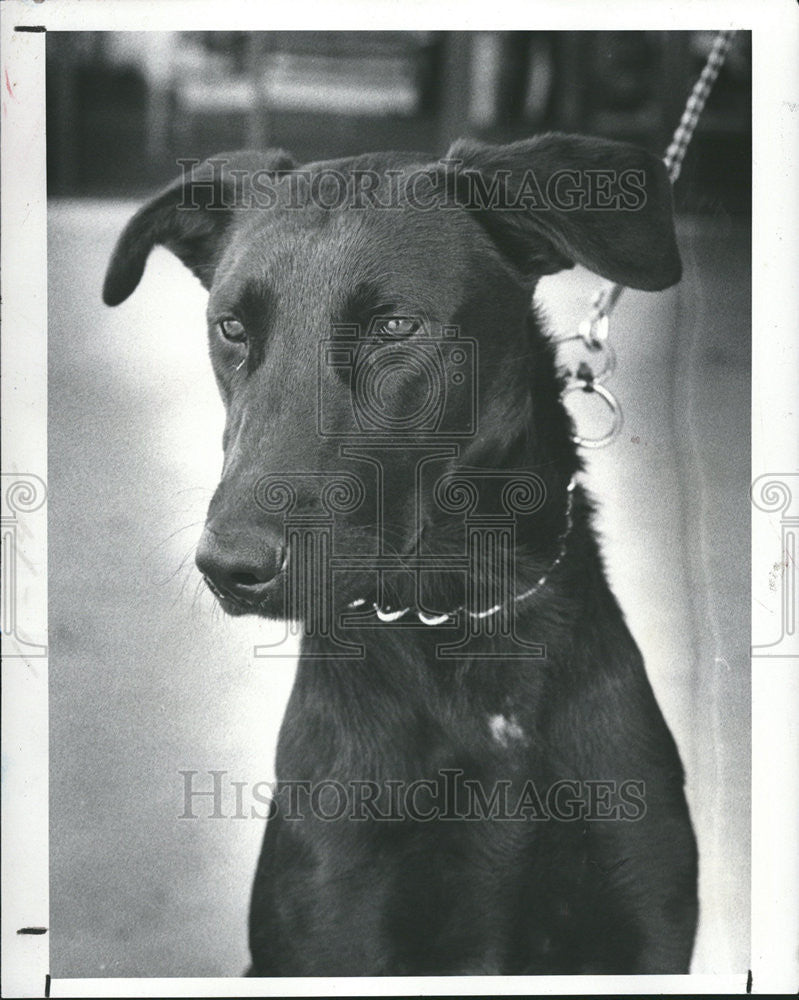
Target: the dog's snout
pixel 239 567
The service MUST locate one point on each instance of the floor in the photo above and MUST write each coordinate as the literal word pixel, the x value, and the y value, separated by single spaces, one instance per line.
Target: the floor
pixel 148 680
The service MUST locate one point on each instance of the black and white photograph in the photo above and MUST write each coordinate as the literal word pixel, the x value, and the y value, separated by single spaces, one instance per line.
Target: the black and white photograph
pixel 400 499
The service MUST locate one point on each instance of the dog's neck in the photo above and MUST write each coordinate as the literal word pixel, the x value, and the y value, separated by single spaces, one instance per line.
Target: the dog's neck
pixel 398 678
pixel 504 603
pixel 540 587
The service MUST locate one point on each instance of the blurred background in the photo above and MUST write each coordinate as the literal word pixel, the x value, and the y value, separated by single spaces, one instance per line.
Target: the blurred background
pixel 147 678
pixel 124 105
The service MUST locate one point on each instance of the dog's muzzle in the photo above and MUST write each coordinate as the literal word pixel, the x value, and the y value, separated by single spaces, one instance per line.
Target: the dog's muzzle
pixel 241 571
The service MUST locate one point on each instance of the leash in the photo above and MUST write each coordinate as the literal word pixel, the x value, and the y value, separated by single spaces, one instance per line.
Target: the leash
pixel 595 329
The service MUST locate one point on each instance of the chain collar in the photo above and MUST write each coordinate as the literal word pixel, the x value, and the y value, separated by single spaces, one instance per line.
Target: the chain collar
pixel 389 615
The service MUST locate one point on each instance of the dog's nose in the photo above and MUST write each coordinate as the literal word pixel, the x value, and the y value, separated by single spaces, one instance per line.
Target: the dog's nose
pixel 239 566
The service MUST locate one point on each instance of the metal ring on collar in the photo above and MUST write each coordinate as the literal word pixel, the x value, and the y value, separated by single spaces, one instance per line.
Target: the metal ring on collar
pixel 613 404
pixel 485 614
pixel 432 619
pixel 594 331
pixel 600 351
pixel 389 616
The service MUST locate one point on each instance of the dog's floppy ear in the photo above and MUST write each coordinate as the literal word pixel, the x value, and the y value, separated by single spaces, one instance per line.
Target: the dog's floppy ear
pixel 557 200
pixel 189 218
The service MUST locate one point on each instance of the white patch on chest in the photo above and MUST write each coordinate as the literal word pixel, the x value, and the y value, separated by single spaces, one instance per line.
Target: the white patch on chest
pixel 504 729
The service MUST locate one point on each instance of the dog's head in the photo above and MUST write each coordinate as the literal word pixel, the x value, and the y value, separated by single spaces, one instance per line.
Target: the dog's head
pixel 370 333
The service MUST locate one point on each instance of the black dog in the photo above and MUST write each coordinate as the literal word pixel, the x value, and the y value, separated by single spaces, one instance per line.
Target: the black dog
pixel 474 776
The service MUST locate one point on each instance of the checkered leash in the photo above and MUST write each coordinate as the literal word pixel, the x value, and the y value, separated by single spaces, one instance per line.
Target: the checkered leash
pixel 595 328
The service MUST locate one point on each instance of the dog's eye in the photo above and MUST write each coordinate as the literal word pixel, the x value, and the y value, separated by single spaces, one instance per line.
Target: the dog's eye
pixel 232 330
pixel 399 326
